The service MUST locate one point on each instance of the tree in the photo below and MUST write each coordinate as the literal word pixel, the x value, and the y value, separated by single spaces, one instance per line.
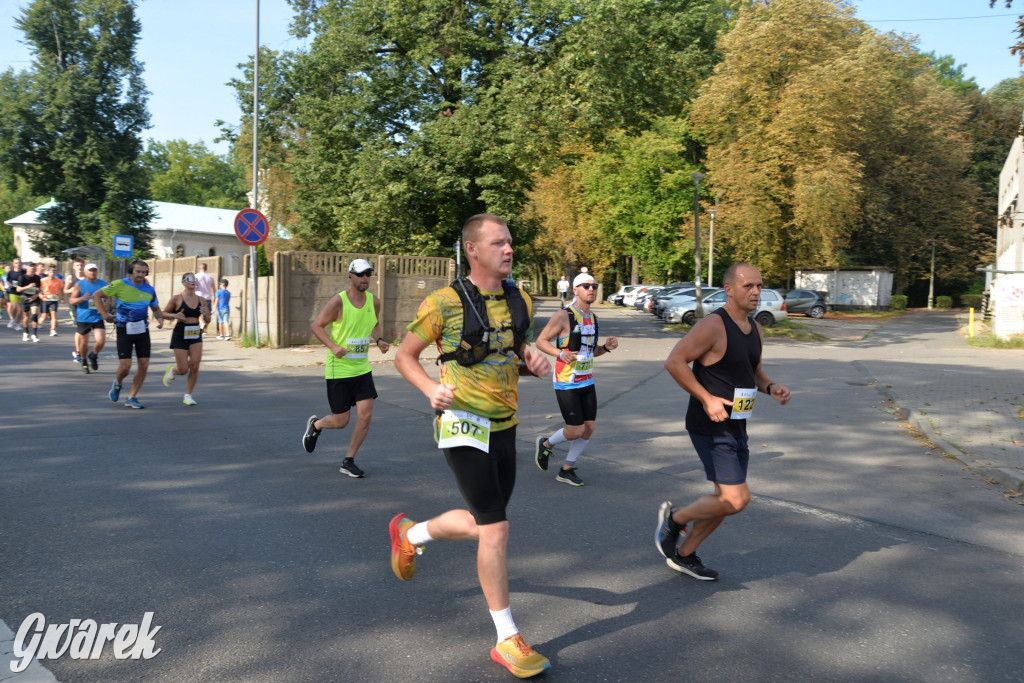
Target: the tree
pixel 189 173
pixel 70 126
pixel 405 118
pixel 833 145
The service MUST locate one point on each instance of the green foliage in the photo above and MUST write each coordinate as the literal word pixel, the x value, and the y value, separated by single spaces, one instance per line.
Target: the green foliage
pixel 638 194
pixel 189 173
pixel 944 302
pixel 950 74
pixel 403 119
pixel 262 265
pixel 70 126
pixel 971 300
pixel 837 147
pixel 898 302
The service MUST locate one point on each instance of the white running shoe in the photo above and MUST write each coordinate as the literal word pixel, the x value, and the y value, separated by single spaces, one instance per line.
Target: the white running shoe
pixel 24 336
pixel 169 376
pixel 35 339
pixel 53 333
pixel 188 400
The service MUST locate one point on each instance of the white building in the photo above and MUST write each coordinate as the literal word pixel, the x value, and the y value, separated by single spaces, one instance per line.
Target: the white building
pixel 1006 276
pixel 178 230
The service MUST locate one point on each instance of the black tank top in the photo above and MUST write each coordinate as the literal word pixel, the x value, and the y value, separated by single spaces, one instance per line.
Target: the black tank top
pixel 734 370
pixel 189 311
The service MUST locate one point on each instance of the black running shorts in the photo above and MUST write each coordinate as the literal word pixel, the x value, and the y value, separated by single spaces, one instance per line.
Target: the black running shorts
pixel 126 342
pixel 345 392
pixel 486 480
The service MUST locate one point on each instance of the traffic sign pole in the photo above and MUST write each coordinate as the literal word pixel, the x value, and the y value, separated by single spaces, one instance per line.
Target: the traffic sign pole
pixel 252 227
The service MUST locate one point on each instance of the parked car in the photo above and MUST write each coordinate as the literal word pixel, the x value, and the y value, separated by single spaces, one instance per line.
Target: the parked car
pixel 770 309
pixel 617 297
pixel 629 298
pixel 806 301
pixel 679 297
pixel 641 301
pixel 670 290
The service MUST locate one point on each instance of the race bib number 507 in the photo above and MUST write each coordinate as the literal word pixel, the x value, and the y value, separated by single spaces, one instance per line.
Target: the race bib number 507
pixel 459 428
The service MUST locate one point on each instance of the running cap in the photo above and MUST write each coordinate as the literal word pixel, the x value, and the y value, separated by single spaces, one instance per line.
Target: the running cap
pixel 91 266
pixel 581 278
pixel 359 265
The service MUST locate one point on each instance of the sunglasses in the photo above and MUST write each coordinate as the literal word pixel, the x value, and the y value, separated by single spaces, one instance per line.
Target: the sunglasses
pixel 365 273
pixel 588 285
pixel 188 279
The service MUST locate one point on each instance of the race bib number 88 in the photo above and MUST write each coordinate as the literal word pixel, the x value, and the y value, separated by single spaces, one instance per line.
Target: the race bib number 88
pixel 459 428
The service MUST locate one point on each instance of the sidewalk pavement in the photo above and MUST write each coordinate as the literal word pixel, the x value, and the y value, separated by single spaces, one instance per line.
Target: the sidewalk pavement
pixel 967 400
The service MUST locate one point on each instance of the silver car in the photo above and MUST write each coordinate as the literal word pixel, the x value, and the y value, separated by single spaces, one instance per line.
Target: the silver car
pixel 770 309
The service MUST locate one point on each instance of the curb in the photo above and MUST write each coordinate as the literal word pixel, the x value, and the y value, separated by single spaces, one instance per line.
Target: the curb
pixel 1004 476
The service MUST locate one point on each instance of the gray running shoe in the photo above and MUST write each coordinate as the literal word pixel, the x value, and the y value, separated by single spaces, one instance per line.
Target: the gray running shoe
pixel 666 536
pixel 349 467
pixel 310 436
pixel 568 476
pixel 692 566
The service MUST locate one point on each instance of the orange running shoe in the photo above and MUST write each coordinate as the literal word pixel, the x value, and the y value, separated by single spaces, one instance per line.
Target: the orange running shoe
pixel 403 553
pixel 515 655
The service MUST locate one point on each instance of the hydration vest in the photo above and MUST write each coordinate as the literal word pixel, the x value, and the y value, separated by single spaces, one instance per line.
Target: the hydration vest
pixel 476 332
pixel 575 337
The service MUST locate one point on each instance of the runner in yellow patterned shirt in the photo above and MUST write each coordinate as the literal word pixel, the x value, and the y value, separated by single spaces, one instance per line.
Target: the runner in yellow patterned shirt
pixel 476 399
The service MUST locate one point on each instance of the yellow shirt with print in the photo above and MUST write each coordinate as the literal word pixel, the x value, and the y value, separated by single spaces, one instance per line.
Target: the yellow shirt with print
pixel 489 388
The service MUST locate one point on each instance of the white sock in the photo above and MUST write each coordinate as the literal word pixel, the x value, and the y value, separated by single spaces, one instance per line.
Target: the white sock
pixel 575 451
pixel 418 534
pixel 557 438
pixel 503 623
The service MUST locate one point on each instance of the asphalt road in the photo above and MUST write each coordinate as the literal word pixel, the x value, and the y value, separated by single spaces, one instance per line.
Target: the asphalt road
pixel 862 556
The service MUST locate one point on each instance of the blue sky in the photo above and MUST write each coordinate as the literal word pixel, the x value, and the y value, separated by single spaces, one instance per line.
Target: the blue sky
pixel 191 49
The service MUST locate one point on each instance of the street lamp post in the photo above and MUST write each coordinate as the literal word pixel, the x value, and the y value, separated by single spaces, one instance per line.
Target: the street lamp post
pixel 931 280
pixel 711 248
pixel 697 177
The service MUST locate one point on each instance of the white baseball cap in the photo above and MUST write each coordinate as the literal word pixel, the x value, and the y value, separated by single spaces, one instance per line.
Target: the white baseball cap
pixel 581 278
pixel 91 266
pixel 359 265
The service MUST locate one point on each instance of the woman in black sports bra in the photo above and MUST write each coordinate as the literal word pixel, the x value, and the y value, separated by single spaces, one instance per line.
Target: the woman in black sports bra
pixel 187 337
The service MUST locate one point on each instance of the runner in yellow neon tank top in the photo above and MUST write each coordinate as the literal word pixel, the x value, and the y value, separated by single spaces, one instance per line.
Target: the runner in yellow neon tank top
pixel 353 317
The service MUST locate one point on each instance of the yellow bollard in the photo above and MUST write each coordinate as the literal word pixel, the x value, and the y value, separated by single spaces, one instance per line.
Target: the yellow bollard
pixel 970 324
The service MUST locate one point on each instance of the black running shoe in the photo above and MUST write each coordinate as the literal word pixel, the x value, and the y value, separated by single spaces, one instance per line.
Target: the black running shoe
pixel 94 361
pixel 309 438
pixel 691 565
pixel 349 467
pixel 85 368
pixel 666 536
pixel 542 454
pixel 568 476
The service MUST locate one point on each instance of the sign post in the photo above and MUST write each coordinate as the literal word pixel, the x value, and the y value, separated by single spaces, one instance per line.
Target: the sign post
pixel 252 228
pixel 124 247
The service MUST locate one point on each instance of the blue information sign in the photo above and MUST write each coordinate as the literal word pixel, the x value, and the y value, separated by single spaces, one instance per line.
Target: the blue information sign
pixel 124 246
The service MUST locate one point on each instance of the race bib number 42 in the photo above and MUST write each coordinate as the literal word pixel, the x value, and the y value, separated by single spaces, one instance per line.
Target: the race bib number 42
pixel 459 428
pixel 743 403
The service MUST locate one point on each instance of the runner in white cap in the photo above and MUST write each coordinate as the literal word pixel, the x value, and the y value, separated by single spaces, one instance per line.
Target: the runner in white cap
pixel 347 325
pixel 575 331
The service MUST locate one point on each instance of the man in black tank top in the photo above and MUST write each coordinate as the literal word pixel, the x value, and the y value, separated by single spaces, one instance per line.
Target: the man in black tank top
pixel 725 349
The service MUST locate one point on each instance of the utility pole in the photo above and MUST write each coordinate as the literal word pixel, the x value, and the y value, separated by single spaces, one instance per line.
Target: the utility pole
pixel 697 177
pixel 931 281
